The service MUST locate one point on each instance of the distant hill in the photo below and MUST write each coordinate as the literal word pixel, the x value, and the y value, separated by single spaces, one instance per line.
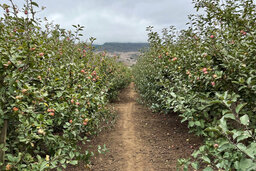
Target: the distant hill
pixel 121 47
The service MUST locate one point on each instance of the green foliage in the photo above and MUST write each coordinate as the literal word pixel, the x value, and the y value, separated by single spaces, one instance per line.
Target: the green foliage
pixel 207 74
pixel 53 90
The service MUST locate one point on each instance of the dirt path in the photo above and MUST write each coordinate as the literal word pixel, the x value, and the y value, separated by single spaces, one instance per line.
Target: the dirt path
pixel 142 140
pixel 132 149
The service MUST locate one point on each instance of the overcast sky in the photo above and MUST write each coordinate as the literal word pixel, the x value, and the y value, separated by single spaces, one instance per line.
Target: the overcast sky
pixel 116 20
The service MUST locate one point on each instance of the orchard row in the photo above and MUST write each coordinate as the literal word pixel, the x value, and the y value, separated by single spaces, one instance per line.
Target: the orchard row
pixel 53 91
pixel 207 74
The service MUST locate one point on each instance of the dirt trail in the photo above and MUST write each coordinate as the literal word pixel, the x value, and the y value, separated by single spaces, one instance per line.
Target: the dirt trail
pixel 142 140
pixel 134 151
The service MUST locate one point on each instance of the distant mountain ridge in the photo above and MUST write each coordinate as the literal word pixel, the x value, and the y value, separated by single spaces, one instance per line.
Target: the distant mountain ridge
pixel 121 47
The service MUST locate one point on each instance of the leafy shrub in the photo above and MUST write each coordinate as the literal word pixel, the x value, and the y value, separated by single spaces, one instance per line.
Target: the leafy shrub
pixel 53 90
pixel 207 74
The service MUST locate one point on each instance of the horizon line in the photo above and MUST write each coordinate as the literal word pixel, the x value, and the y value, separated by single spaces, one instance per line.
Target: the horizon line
pixel 120 43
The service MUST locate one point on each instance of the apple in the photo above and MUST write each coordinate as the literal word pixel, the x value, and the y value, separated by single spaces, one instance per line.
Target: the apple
pixel 15 109
pixel 24 91
pixel 243 32
pixel 18 97
pixel 41 54
pixel 174 59
pixel 8 167
pixel 94 73
pixel 41 131
pixel 50 110
pixel 72 100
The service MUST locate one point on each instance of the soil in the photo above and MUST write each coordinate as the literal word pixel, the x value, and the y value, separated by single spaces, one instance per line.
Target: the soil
pixel 141 140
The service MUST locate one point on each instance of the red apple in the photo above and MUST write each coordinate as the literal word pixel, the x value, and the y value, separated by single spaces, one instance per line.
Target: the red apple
pixel 216 145
pixel 41 54
pixel 15 109
pixel 174 59
pixel 8 167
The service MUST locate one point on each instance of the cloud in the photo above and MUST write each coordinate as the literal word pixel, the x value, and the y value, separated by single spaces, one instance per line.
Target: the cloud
pixel 56 17
pixel 116 20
